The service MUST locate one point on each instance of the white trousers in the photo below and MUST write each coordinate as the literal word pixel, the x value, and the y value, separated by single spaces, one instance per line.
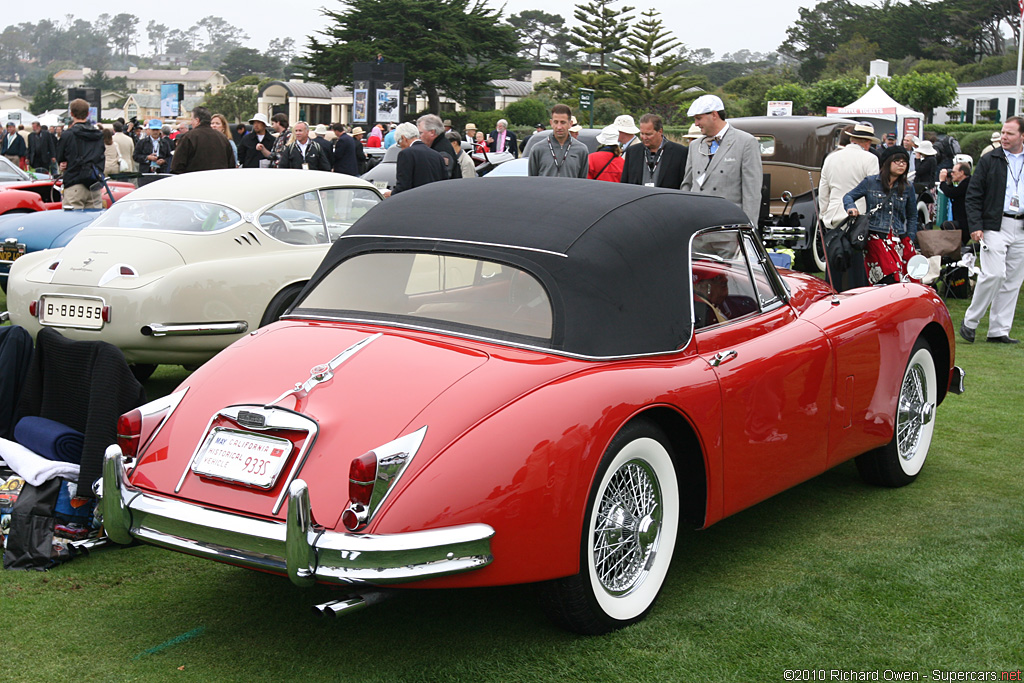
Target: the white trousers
pixel 1002 271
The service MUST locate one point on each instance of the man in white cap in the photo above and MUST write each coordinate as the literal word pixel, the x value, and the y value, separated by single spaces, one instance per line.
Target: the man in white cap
pixel 249 155
pixel 993 144
pixel 726 162
pixel 843 170
pixel 627 131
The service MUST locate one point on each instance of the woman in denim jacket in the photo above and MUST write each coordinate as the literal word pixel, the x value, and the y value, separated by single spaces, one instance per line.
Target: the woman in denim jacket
pixel 892 211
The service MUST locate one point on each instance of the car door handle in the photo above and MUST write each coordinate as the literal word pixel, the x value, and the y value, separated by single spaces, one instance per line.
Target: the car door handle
pixel 722 357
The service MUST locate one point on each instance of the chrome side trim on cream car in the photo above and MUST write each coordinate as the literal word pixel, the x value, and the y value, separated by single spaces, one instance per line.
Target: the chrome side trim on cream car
pixel 192 329
pixel 305 552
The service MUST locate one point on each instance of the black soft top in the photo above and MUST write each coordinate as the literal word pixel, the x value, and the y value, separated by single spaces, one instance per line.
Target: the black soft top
pixel 613 257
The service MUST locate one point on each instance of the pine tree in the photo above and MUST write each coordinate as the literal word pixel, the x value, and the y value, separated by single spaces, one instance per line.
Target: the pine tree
pixel 652 80
pixel 601 29
pixel 49 95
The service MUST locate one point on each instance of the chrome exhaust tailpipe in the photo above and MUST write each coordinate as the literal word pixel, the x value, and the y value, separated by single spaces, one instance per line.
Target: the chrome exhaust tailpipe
pixel 350 603
pixel 193 329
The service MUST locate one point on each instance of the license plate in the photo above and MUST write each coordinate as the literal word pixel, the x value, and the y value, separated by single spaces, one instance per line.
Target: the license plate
pixel 71 311
pixel 12 252
pixel 380 184
pixel 243 457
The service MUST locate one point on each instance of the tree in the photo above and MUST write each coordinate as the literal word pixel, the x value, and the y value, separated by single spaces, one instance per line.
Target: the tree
pixel 49 95
pixel 455 46
pixel 787 92
pixel 236 101
pixel 245 61
pixel 221 36
pixel 282 49
pixel 601 29
pixel 652 78
pixel 99 79
pixel 922 92
pixel 526 112
pixel 123 33
pixel 157 36
pixel 537 30
pixel 851 58
pixel 837 92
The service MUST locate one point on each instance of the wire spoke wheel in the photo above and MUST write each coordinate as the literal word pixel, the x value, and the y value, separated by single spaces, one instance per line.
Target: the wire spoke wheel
pixel 628 527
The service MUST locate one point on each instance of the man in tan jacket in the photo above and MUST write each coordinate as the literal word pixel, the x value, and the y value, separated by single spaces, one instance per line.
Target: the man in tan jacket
pixel 843 170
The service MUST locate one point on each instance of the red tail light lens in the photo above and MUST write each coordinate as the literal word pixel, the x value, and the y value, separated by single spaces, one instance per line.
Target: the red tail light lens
pixel 362 474
pixel 33 308
pixel 129 432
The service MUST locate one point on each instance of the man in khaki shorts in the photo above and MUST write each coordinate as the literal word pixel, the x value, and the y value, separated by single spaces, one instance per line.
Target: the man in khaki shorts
pixel 80 156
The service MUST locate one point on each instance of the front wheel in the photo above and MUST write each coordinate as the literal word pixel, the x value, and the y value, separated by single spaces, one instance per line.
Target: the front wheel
pixel 899 461
pixel 629 533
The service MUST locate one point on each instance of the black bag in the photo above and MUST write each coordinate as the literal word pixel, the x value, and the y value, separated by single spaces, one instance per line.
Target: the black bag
pixel 957 281
pixel 856 231
pixel 838 250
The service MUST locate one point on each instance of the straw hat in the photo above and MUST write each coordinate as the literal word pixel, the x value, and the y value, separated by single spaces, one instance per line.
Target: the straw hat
pixel 694 132
pixel 357 131
pixel 864 131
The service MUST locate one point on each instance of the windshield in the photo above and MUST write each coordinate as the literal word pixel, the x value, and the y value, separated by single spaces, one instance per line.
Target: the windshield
pixel 434 290
pixel 168 214
pixel 9 172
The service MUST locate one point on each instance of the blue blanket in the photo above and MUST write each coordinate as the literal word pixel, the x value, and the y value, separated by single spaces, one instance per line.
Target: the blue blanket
pixel 50 439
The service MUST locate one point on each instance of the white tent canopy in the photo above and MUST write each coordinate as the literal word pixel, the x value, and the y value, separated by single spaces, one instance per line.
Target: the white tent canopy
pixel 886 114
pixel 17 116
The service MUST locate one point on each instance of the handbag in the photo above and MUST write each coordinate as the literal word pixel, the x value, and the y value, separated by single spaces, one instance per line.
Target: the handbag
pixel 856 231
pixel 122 165
pixel 838 249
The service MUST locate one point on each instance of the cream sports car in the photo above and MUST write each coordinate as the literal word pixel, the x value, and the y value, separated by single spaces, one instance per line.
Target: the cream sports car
pixel 181 268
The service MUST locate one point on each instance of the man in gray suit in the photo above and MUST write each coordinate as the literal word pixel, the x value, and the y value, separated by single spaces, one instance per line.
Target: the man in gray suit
pixel 726 162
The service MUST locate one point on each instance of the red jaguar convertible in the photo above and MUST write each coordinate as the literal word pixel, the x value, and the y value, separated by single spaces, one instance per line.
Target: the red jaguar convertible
pixel 545 396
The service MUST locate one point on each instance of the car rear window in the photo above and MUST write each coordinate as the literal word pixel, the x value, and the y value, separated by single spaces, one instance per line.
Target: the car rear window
pixel 168 214
pixel 434 290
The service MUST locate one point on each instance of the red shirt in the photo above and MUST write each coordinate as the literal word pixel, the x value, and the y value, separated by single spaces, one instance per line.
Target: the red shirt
pixel 612 172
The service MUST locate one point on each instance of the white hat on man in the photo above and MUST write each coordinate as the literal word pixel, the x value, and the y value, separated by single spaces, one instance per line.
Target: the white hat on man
pixel 625 124
pixel 705 104
pixel 864 131
pixel 261 117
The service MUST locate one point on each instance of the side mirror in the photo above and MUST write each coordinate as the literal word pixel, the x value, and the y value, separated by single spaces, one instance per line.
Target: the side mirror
pixel 917 267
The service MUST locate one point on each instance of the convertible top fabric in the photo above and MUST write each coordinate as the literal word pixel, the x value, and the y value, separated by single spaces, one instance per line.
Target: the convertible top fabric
pixel 614 257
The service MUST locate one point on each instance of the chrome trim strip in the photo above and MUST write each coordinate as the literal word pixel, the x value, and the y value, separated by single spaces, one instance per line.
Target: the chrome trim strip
pixel 471 242
pixel 5 316
pixel 305 553
pixel 956 380
pixel 325 371
pixel 190 329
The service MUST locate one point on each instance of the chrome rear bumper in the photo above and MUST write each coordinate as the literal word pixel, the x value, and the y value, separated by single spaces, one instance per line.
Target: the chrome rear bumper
pixel 306 553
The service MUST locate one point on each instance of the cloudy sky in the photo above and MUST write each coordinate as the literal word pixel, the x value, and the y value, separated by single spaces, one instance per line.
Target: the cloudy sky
pixel 725 26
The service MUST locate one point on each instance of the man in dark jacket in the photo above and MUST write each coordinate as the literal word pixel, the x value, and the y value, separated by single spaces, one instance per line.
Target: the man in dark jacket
pixel 42 148
pixel 13 146
pixel 417 164
pixel 349 157
pixel 153 153
pixel 202 148
pixel 80 158
pixel 303 152
pixel 954 184
pixel 432 133
pixel 658 162
pixel 995 211
pixel 250 150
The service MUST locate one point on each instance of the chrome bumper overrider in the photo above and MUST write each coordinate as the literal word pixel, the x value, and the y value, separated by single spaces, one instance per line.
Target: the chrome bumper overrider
pixel 956 380
pixel 306 553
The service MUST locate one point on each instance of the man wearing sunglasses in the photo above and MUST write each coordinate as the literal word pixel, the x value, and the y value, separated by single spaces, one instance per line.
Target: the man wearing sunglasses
pixel 726 162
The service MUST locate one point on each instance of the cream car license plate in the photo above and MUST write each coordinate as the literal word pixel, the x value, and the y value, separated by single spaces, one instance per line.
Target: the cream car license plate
pixel 71 311
pixel 243 457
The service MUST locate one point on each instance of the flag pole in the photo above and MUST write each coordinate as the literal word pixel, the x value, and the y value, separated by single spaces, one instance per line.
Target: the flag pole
pixel 1020 52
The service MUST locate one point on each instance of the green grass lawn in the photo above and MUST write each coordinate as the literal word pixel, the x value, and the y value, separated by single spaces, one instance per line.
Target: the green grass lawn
pixel 832 574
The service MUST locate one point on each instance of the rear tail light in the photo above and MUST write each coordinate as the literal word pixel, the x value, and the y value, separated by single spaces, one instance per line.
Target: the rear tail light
pixel 129 433
pixel 33 308
pixel 372 475
pixel 362 473
pixel 135 429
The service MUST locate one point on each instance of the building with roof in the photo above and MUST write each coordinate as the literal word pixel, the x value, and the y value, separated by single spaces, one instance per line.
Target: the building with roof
pixel 146 106
pixel 314 103
pixel 149 80
pixel 998 92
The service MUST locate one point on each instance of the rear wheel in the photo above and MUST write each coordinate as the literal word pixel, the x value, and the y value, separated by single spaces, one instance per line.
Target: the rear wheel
pixel 629 533
pixel 280 303
pixel 899 461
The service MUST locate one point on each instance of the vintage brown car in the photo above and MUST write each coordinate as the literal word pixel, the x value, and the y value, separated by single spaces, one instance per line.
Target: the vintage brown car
pixel 793 148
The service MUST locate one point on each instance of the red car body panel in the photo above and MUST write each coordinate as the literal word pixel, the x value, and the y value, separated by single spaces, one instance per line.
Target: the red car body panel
pixel 39 195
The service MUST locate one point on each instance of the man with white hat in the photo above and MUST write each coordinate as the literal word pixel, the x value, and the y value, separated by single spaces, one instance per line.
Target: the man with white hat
pixel 726 162
pixel 627 131
pixel 843 170
pixel 248 154
pixel 993 144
